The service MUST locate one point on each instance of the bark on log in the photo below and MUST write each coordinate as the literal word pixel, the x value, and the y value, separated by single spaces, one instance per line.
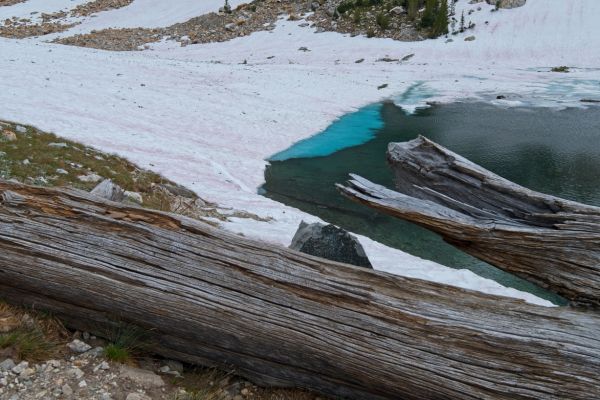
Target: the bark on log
pixel 550 241
pixel 281 317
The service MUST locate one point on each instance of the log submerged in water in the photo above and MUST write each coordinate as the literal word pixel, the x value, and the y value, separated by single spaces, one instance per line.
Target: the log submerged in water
pixel 281 317
pixel 547 240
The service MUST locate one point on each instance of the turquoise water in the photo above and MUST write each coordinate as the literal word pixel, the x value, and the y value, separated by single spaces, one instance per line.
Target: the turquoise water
pixel 350 130
pixel 556 152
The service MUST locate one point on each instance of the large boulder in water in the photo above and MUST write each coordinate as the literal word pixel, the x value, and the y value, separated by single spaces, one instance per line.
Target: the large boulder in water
pixel 330 242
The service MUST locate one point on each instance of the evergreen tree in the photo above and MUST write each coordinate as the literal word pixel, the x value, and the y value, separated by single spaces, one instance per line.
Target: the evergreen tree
pixel 440 25
pixel 462 22
pixel 413 9
pixel 431 7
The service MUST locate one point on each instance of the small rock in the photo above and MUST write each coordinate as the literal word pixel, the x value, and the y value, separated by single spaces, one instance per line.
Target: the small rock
pixel 398 10
pixel 75 373
pixel 22 366
pixel 134 197
pixel 9 136
pixel 58 145
pixel 7 365
pixel 78 346
pixel 231 27
pixel 66 390
pixel 26 373
pixel 359 60
pixel 9 324
pixel 314 6
pixel 90 178
pixel 62 171
pixel 109 190
pixel 303 48
pixel 137 396
pixel 146 379
pixel 82 384
pixel 102 366
pixel 175 365
pixel 469 38
pixel 164 369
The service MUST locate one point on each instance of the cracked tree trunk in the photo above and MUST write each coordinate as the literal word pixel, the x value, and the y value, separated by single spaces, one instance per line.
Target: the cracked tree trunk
pixel 552 242
pixel 282 318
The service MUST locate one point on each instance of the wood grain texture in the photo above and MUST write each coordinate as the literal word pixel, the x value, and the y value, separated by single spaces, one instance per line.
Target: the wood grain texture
pixel 281 317
pixel 547 240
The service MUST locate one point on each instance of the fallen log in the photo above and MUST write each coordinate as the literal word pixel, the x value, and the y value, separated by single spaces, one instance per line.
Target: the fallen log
pixel 547 240
pixel 281 317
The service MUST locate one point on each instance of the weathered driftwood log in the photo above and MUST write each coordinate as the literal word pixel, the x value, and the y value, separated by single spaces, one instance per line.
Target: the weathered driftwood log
pixel 281 317
pixel 550 241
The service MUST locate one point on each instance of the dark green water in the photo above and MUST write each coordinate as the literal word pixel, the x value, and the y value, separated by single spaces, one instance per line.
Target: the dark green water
pixel 556 152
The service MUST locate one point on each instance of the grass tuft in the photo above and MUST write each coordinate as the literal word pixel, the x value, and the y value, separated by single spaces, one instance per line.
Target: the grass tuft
pixel 116 353
pixel 126 342
pixel 30 344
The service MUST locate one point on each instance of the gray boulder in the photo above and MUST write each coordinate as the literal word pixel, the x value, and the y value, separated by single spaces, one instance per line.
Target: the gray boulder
pixel 508 3
pixel 330 242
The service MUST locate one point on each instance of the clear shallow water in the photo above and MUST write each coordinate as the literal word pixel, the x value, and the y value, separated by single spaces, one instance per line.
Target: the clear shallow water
pixel 556 152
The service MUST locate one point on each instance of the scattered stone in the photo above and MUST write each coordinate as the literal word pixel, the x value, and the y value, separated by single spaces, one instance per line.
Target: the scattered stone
pixel 62 171
pixel 78 346
pixel 109 190
pixel 175 365
pixel 507 3
pixel 382 86
pixel 408 57
pixel 359 60
pixel 469 38
pixel 9 136
pixel 75 373
pixel 500 97
pixel 82 384
pixel 103 366
pixel 26 373
pixel 7 365
pixel 303 49
pixel 9 323
pixel 90 178
pixel 330 242
pixel 58 145
pixel 387 59
pixel 398 10
pixel 22 366
pixel 146 379
pixel 67 390
pixel 137 396
pixel 133 197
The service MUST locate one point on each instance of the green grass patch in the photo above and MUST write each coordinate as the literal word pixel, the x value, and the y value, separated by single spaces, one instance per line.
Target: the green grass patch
pixel 44 159
pixel 125 342
pixel 116 353
pixel 29 344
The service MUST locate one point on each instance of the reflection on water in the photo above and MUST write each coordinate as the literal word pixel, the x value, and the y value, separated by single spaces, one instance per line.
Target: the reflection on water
pixel 556 152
